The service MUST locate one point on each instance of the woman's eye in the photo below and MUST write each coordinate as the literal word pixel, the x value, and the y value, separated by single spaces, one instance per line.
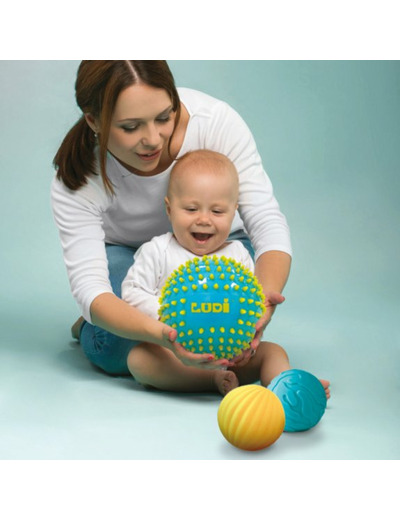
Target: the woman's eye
pixel 163 119
pixel 129 129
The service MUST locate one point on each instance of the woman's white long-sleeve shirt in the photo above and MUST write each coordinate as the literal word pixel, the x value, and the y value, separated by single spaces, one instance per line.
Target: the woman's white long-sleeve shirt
pixel 89 217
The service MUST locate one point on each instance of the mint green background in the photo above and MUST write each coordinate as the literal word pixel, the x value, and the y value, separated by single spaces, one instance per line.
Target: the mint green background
pixel 329 134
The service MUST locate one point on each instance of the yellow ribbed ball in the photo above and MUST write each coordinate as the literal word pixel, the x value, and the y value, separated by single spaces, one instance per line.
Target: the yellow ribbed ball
pixel 251 417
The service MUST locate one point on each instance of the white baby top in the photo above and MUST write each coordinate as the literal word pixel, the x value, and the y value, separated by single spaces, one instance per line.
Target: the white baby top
pixel 89 217
pixel 156 260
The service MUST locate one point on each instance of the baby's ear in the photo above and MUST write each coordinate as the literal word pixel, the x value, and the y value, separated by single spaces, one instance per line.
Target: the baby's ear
pixel 167 206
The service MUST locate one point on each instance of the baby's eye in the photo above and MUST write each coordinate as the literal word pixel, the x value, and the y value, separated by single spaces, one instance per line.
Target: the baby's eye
pixel 191 210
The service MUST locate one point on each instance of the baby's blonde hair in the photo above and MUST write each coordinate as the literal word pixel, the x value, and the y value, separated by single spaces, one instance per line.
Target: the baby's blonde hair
pixel 217 162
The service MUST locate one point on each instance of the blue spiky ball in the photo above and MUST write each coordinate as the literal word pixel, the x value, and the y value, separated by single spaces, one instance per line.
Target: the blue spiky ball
pixel 214 303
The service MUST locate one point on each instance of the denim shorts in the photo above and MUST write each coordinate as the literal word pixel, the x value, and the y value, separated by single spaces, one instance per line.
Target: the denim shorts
pixel 104 349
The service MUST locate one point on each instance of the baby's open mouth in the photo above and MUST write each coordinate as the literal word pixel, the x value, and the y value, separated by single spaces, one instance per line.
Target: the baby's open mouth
pixel 201 237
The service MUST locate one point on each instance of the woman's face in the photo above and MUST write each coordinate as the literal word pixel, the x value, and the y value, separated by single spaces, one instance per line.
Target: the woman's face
pixel 141 126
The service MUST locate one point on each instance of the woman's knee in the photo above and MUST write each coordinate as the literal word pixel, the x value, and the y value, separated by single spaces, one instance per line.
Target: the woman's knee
pixel 105 350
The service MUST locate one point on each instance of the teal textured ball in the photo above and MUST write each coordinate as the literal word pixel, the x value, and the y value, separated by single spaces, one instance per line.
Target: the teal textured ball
pixel 214 303
pixel 302 396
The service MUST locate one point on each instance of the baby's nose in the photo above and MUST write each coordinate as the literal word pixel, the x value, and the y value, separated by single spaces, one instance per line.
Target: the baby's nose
pixel 203 218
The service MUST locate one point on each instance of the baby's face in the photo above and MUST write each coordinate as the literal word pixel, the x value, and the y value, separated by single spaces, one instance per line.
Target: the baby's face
pixel 201 208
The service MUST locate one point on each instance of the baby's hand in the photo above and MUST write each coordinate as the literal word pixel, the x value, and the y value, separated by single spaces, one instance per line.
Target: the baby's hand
pixel 243 358
pixel 206 361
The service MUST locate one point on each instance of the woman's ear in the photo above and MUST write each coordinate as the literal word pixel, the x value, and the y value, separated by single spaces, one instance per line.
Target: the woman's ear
pixel 91 121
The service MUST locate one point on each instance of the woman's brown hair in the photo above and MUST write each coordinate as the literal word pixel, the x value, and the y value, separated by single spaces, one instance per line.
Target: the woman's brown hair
pixel 97 87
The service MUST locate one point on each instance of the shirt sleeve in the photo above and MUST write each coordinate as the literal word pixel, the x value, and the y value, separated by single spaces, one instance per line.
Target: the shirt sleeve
pixel 78 218
pixel 139 287
pixel 258 207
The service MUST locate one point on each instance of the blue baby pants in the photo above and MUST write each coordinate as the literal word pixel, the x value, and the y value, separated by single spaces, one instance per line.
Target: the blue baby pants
pixel 104 349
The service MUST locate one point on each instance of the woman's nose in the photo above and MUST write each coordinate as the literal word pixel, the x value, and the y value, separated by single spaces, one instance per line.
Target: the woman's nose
pixel 150 136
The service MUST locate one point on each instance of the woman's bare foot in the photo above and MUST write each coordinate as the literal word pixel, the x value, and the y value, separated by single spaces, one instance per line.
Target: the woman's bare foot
pixel 326 385
pixel 76 328
pixel 225 381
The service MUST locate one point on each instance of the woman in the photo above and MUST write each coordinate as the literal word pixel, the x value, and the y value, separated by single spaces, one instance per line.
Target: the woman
pixel 107 197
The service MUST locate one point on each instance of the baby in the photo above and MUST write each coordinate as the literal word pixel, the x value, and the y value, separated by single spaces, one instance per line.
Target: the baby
pixel 201 203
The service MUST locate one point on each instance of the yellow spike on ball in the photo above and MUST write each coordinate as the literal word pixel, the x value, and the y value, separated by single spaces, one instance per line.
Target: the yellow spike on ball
pixel 251 417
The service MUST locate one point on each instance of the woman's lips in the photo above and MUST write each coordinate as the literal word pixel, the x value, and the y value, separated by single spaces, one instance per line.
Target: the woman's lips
pixel 149 156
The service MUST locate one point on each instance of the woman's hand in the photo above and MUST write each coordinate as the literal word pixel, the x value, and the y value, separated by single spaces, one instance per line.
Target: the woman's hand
pixel 205 361
pixel 272 299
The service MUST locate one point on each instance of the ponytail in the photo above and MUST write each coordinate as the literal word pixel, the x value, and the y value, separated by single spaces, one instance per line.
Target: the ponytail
pixel 75 158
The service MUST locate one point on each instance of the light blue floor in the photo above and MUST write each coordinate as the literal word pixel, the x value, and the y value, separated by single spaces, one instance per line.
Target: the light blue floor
pixel 329 134
pixel 55 406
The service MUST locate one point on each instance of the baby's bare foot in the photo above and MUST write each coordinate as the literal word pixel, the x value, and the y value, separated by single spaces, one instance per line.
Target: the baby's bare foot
pixel 326 385
pixel 225 381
